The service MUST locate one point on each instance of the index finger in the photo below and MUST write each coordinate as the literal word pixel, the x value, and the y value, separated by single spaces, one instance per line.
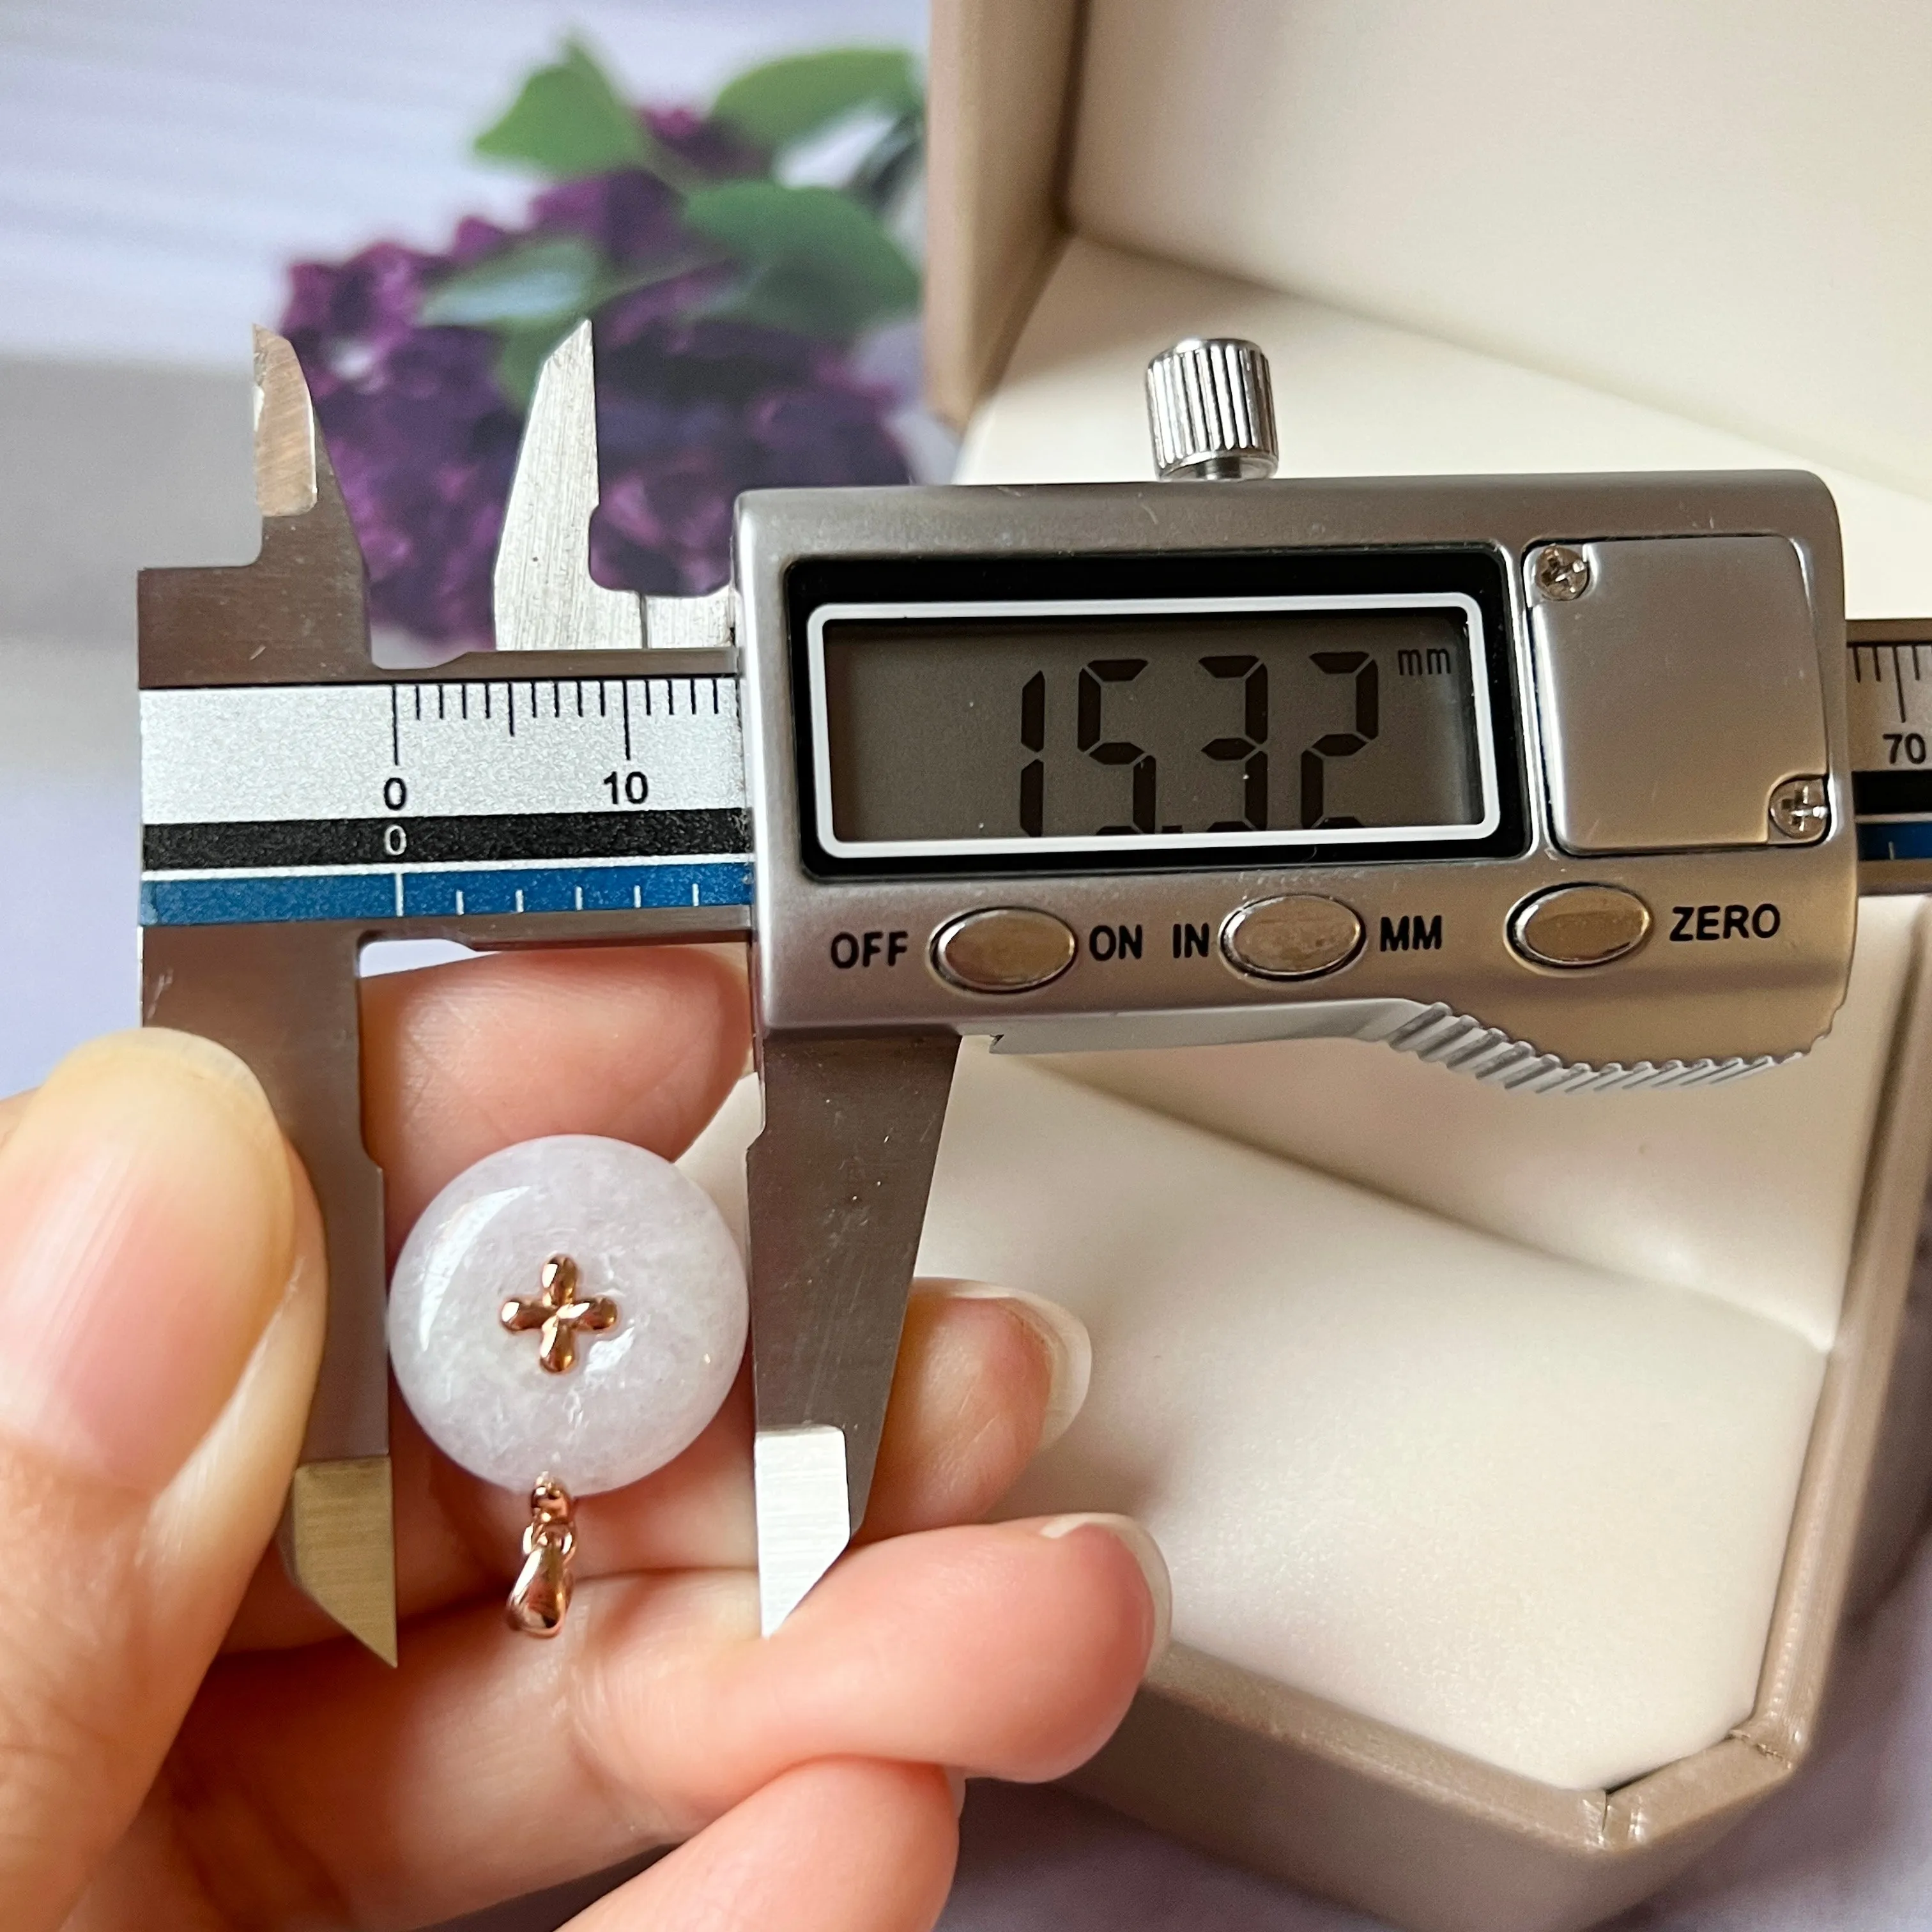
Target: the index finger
pixel 640 1043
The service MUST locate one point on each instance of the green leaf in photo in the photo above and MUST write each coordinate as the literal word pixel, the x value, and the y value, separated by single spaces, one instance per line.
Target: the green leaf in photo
pixel 520 353
pixel 892 160
pixel 533 281
pixel 569 120
pixel 783 101
pixel 533 294
pixel 820 261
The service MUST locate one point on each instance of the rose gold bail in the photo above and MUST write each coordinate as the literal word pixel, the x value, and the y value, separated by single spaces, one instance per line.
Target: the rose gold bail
pixel 540 1597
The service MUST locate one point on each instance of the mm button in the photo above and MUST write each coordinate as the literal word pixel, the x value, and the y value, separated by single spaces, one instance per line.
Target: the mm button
pixel 1293 937
pixel 1004 949
pixel 1579 926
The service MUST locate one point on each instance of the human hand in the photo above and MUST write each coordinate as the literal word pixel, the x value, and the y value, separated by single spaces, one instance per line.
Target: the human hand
pixel 161 1309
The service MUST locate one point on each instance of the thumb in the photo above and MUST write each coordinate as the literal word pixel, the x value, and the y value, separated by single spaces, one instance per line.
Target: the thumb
pixel 161 1307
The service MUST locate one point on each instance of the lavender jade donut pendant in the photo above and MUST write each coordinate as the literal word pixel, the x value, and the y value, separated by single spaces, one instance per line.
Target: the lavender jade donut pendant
pixel 565 1319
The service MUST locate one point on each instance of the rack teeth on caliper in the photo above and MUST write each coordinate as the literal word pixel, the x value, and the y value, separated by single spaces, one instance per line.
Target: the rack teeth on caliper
pixel 1444 1037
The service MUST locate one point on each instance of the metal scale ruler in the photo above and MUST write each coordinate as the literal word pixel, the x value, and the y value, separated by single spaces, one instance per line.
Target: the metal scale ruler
pixel 1889 701
pixel 1412 761
pixel 522 795
pixel 601 794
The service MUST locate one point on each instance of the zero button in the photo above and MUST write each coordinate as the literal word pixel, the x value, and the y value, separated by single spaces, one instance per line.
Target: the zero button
pixel 1579 926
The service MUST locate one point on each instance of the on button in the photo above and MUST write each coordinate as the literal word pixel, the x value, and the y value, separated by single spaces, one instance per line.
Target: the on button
pixel 1004 949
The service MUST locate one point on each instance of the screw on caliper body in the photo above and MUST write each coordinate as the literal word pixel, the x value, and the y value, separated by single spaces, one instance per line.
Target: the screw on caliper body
pixel 1562 574
pixel 1801 810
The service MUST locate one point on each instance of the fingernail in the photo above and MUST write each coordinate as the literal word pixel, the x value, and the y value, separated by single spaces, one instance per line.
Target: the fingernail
pixel 148 1216
pixel 1146 1553
pixel 1061 1332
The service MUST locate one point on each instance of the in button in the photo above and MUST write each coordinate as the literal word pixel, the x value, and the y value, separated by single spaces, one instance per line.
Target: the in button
pixel 1293 937
pixel 1004 949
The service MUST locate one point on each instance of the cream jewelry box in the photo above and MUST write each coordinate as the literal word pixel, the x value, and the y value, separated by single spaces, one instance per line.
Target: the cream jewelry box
pixel 1511 1455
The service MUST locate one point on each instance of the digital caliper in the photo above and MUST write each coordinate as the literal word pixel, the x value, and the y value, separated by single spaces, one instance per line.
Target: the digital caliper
pixel 1547 778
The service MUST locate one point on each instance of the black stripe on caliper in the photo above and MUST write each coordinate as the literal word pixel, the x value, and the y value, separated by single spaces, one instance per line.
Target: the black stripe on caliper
pixel 1873 792
pixel 428 841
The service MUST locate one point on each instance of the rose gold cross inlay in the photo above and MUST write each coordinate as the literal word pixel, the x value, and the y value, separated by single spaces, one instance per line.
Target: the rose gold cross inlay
pixel 559 1312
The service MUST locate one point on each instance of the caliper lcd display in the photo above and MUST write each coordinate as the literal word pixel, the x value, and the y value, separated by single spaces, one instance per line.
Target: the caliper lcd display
pixel 1151 724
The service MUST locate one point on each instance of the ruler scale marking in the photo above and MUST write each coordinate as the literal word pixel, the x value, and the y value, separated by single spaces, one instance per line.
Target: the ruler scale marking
pixel 330 834
pixel 1890 729
pixel 258 832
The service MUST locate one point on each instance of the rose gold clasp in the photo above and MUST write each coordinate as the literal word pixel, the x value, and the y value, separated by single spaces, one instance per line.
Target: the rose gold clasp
pixel 541 1594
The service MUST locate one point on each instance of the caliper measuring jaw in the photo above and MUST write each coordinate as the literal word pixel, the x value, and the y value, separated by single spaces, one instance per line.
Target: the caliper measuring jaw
pixel 837 1180
pixel 282 996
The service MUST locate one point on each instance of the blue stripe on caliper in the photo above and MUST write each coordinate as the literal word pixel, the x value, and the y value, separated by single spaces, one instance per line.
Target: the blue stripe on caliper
pixel 1897 839
pixel 241 901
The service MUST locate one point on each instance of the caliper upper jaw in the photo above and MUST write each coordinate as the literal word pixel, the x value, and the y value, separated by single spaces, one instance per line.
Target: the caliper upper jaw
pixel 298 613
pixel 545 597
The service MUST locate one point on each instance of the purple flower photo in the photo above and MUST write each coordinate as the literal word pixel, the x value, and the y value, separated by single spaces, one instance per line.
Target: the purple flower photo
pixel 728 299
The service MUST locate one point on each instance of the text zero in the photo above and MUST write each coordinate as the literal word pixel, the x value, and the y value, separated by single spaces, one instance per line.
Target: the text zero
pixel 1726 922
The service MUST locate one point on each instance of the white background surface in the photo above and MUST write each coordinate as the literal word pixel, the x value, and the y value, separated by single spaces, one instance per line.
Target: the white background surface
pixel 160 159
pixel 1846 1848
pixel 1358 397
pixel 1531 1509
pixel 1727 213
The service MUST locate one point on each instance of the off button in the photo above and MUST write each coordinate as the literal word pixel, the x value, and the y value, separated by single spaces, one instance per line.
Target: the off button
pixel 1004 949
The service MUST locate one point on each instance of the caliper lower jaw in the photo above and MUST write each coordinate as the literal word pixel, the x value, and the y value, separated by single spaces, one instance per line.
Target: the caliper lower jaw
pixel 337 1538
pixel 837 1186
